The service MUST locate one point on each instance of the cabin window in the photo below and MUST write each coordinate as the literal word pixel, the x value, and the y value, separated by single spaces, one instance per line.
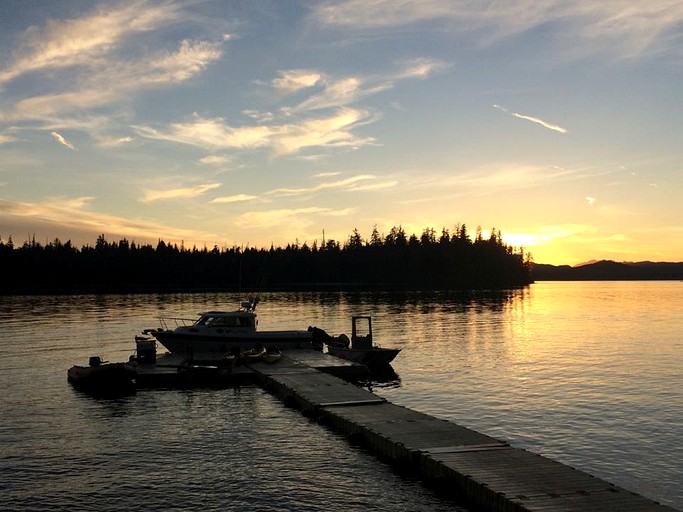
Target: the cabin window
pixel 228 321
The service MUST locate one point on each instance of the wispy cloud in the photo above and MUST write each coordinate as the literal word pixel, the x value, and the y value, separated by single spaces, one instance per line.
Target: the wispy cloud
pixel 374 186
pixel 215 160
pixel 59 138
pixel 294 80
pixel 341 91
pixel 622 28
pixel 334 130
pixel 381 13
pixel 237 198
pixel 4 138
pixel 545 124
pixel 337 93
pixel 112 142
pixel 421 68
pixel 536 120
pixel 87 40
pixel 510 176
pixel 176 193
pixel 113 81
pixel 345 183
pixel 283 216
pixel 71 215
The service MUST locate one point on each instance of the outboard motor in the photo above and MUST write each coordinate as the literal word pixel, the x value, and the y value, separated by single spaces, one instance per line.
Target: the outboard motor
pixel 320 338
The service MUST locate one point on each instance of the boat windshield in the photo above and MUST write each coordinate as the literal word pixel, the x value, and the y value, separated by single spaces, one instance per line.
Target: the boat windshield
pixel 225 321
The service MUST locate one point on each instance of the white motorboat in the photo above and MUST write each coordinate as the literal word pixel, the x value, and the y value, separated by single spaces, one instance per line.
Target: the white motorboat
pixel 224 332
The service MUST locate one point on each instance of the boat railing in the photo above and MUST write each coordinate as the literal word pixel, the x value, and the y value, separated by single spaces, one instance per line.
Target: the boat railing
pixel 170 322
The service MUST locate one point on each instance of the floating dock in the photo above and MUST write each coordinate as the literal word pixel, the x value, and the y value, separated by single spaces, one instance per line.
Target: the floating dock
pixel 173 371
pixel 474 469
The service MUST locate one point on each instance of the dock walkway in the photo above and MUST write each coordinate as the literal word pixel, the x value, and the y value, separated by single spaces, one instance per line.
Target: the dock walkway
pixel 476 470
pixel 473 468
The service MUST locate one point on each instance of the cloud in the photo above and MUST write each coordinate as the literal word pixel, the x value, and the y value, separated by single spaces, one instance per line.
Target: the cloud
pixel 536 120
pixel 111 142
pixel 190 59
pixel 628 29
pixel 4 138
pixel 161 195
pixel 233 199
pixel 374 186
pixel 294 80
pixel 59 138
pixel 270 218
pixel 215 160
pixel 421 68
pixel 366 14
pixel 86 41
pixel 338 92
pixel 335 94
pixel 113 81
pixel 63 215
pixel 334 130
pixel 511 176
pixel 345 183
pixel 210 134
pixel 261 117
pixel 543 123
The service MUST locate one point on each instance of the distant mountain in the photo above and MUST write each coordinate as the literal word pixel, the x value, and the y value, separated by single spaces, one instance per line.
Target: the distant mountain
pixel 607 270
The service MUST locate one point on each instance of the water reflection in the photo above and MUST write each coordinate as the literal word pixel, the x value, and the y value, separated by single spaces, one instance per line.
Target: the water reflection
pixel 381 377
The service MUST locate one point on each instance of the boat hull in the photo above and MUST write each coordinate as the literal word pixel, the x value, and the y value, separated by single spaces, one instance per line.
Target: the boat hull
pixel 185 343
pixel 375 356
pixel 109 378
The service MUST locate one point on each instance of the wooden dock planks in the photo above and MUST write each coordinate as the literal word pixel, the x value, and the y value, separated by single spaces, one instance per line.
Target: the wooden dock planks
pixel 477 469
pixel 312 390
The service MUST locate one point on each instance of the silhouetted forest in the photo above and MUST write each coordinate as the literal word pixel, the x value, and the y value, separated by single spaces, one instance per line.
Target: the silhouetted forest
pixel 394 261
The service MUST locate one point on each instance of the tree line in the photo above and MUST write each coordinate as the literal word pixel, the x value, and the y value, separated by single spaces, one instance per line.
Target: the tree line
pixel 395 261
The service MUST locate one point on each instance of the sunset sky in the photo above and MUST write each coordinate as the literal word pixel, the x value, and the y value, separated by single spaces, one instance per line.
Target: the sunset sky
pixel 251 123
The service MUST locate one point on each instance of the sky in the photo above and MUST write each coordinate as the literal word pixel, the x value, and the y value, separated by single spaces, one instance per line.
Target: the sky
pixel 255 123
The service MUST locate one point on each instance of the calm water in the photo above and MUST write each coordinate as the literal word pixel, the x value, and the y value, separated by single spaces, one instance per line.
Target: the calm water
pixel 585 373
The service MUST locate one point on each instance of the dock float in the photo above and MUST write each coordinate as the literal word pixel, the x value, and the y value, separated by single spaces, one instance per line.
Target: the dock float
pixel 474 469
pixel 173 371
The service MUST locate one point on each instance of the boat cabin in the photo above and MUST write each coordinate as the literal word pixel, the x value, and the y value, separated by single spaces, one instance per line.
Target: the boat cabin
pixel 227 320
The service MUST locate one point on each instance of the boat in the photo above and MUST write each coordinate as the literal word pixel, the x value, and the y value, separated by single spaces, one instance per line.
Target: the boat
pixel 272 355
pixel 360 348
pixel 223 332
pixel 252 355
pixel 102 377
pixel 375 356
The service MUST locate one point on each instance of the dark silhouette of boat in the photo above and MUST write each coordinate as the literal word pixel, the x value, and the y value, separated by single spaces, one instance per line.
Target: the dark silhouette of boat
pixel 103 378
pixel 222 332
pixel 360 348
